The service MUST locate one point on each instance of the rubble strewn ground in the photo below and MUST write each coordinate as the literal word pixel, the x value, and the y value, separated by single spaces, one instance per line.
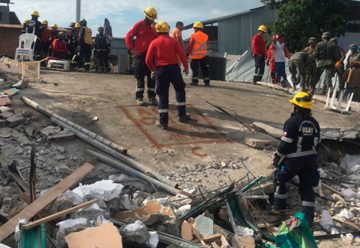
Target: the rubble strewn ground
pixel 203 156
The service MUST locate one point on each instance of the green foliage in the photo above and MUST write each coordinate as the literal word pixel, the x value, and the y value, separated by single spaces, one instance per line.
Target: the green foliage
pixel 300 19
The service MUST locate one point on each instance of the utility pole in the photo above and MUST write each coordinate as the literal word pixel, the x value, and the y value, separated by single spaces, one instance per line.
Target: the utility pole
pixel 78 10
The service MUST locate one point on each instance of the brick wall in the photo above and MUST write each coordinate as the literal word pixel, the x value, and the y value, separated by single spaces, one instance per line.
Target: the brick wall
pixel 9 39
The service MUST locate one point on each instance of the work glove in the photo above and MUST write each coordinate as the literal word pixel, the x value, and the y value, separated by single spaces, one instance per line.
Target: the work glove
pixel 276 160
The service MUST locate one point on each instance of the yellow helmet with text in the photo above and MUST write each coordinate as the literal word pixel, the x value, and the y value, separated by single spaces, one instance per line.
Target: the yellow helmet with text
pixel 302 100
pixel 262 28
pixel 150 13
pixel 162 27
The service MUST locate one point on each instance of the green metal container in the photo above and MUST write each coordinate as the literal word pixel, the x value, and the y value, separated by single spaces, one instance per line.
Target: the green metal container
pixel 33 238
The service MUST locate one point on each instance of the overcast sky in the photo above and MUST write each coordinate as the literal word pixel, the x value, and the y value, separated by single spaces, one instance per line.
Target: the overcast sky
pixel 124 13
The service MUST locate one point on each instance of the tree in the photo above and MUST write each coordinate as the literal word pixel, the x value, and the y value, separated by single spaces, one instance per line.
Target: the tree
pixel 300 19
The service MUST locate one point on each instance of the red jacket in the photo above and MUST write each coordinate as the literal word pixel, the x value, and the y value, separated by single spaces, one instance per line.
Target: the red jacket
pixel 58 47
pixel 258 45
pixel 46 36
pixel 144 34
pixel 164 51
pixel 271 59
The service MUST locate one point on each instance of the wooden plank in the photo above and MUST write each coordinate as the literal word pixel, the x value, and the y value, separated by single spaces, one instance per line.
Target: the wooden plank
pixel 347 223
pixel 332 189
pixel 58 215
pixel 34 208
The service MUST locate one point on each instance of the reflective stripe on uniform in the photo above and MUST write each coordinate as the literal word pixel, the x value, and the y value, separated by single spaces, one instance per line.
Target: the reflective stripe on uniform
pixel 139 89
pixel 301 154
pixel 195 78
pixel 280 196
pixel 151 89
pixel 316 142
pixel 206 78
pixel 287 140
pixel 180 103
pixel 280 154
pixel 308 204
pixel 299 144
pixel 163 111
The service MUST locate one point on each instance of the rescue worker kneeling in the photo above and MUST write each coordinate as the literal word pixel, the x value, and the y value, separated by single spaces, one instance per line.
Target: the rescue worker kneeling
pixel 58 47
pixel 296 155
pixel 162 60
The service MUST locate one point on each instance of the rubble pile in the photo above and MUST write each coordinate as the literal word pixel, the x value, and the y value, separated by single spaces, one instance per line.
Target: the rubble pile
pixel 46 190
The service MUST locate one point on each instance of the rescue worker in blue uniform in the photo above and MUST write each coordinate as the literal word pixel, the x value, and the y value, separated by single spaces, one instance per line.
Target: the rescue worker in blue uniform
pixel 296 156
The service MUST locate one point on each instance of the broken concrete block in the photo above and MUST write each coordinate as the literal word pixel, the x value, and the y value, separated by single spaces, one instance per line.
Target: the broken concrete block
pixel 2 123
pixel 350 135
pixel 90 213
pixel 182 210
pixel 15 120
pixel 217 240
pixel 204 225
pixel 186 231
pixel 272 131
pixel 136 233
pixel 4 100
pixel 105 190
pixel 243 242
pixel 6 114
pixel 5 132
pixel 65 134
pixel 152 212
pixel 260 141
pixel 332 134
pixel 4 109
pixel 50 130
pixel 69 226
pixel 103 236
pixel 29 130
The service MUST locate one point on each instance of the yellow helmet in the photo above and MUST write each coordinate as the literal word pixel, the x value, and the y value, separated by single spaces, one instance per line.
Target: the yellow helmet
pixel 162 27
pixel 150 13
pixel 35 13
pixel 26 21
pixel 77 25
pixel 198 25
pixel 54 25
pixel 262 28
pixel 44 22
pixel 302 100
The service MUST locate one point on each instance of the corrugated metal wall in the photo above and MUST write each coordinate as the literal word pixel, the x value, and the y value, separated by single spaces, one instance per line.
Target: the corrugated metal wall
pixel 235 34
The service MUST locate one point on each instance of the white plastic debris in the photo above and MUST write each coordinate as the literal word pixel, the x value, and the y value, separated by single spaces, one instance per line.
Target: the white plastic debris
pixel 327 222
pixel 245 231
pixel 346 214
pixel 154 240
pixel 105 190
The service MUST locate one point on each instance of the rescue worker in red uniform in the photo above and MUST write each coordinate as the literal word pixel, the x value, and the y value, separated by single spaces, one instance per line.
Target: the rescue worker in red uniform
pixel 58 47
pixel 197 50
pixel 45 38
pixel 259 53
pixel 296 156
pixel 162 60
pixel 145 34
